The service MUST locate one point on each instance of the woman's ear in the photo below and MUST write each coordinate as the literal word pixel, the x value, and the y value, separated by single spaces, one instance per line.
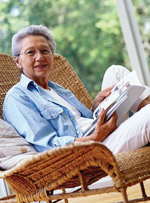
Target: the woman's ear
pixel 17 61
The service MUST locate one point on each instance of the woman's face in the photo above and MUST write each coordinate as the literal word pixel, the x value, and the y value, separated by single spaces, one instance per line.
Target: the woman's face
pixel 35 59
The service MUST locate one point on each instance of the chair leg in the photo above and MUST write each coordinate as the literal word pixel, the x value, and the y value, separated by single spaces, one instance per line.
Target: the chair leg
pixel 64 191
pixel 143 190
pixel 124 195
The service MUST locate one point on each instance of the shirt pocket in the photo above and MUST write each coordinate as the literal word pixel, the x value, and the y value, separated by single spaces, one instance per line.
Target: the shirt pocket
pixel 51 112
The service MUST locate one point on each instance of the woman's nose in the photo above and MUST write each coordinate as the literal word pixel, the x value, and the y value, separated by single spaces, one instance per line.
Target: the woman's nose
pixel 38 55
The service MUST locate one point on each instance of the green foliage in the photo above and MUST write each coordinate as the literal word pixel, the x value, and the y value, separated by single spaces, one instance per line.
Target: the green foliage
pixel 87 32
pixel 142 10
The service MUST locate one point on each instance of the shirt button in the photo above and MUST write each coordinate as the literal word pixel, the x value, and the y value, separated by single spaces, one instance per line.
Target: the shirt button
pixel 53 115
pixel 71 118
pixel 78 132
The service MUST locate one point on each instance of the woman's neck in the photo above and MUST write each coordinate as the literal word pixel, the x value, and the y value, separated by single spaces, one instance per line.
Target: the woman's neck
pixel 43 84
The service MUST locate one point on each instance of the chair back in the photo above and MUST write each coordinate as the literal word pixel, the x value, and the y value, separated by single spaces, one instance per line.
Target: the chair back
pixel 9 76
pixel 62 74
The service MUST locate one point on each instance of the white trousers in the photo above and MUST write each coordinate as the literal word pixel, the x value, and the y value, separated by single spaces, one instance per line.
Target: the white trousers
pixel 133 132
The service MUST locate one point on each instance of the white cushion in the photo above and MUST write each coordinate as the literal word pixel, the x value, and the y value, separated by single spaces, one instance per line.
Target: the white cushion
pixel 13 148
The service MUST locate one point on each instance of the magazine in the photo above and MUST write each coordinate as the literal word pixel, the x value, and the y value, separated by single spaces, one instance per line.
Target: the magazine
pixel 123 95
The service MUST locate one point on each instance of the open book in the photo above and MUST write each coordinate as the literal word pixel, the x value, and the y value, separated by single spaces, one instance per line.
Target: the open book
pixel 123 95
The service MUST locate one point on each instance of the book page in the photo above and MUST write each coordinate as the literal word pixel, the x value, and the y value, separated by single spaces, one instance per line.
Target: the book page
pixel 117 91
pixel 116 94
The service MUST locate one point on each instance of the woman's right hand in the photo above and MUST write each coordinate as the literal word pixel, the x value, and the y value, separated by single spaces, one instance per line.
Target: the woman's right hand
pixel 102 130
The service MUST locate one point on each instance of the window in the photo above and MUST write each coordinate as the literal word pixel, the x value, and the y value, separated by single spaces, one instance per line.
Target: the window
pixel 142 11
pixel 133 39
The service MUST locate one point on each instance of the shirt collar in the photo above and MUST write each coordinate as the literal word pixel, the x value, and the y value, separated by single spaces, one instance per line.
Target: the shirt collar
pixel 27 82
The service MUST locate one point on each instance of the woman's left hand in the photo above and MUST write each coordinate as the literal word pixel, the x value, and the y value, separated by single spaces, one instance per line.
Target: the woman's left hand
pixel 101 96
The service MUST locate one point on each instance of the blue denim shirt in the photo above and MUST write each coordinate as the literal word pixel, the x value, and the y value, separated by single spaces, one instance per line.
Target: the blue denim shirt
pixel 39 118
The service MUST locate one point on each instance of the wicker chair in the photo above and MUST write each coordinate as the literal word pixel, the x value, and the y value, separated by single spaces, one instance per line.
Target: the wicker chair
pixel 79 164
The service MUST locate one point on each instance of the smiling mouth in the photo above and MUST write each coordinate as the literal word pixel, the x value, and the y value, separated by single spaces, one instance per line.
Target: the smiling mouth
pixel 41 66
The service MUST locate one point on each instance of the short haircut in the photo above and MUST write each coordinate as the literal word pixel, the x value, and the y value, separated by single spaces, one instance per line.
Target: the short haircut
pixel 32 30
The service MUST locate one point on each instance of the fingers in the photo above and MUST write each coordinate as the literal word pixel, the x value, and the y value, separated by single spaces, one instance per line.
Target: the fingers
pixel 112 122
pixel 103 129
pixel 101 119
pixel 109 88
pixel 101 96
pixel 106 92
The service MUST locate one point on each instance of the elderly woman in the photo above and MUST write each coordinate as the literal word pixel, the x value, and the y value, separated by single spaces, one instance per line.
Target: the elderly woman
pixel 48 116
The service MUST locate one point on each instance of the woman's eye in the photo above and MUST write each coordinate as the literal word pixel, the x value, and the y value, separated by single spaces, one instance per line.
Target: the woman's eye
pixel 45 51
pixel 30 53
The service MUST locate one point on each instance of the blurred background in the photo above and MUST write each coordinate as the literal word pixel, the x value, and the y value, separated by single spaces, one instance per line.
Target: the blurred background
pixel 87 33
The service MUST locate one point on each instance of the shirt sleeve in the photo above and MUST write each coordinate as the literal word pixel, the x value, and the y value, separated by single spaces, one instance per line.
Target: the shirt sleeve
pixel 23 114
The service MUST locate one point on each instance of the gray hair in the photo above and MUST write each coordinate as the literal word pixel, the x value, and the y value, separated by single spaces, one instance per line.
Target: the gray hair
pixel 32 30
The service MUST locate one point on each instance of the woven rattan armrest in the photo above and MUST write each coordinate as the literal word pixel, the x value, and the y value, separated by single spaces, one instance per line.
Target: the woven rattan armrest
pixel 79 164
